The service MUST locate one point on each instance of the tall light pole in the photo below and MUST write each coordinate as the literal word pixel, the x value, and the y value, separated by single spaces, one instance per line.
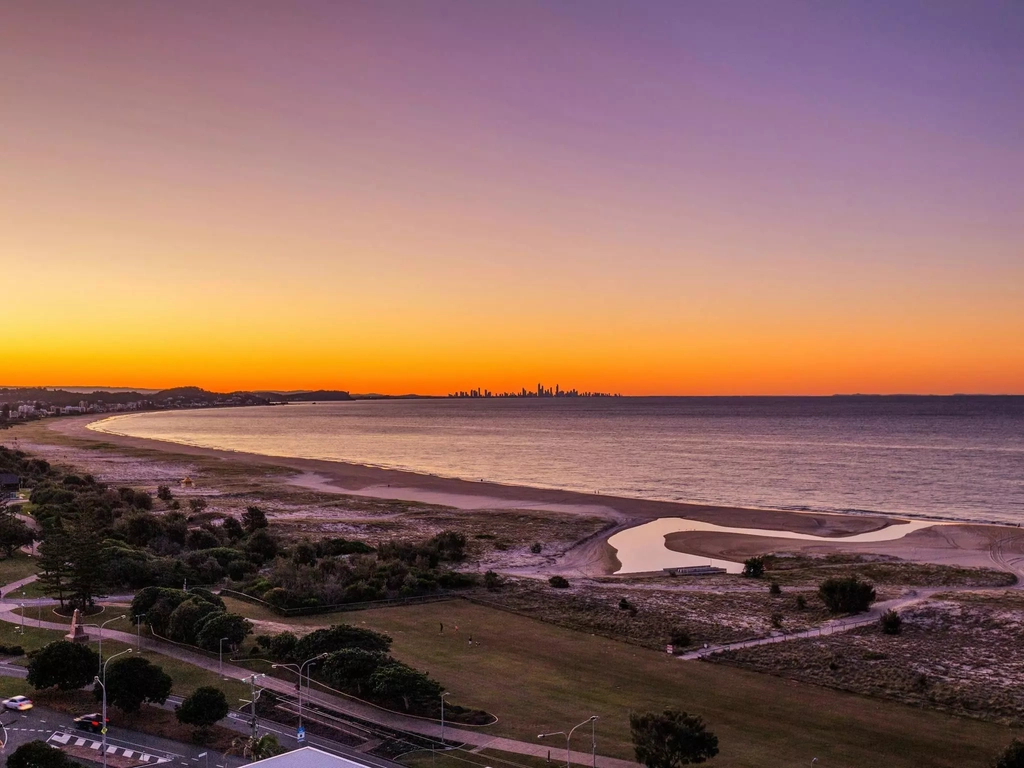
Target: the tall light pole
pixel 446 693
pixel 220 660
pixel 252 687
pixel 101 635
pixel 138 632
pixel 568 736
pixel 299 668
pixel 22 618
pixel 103 685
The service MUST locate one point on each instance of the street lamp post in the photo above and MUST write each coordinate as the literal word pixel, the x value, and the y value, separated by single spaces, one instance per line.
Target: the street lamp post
pixel 220 660
pixel 255 695
pixel 103 685
pixel 446 693
pixel 568 737
pixel 118 618
pixel 22 618
pixel 138 632
pixel 299 668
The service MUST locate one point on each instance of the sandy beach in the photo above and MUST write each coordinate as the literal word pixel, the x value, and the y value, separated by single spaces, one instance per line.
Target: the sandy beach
pixel 967 545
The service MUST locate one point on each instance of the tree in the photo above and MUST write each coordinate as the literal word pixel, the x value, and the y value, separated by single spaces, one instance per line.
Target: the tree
pixel 753 567
pixel 350 670
pixel 86 562
pixel 338 637
pixel 132 681
pixel 182 626
pixel 68 666
pixel 260 748
pixel 891 622
pixel 163 492
pixel 1011 757
pixel 559 582
pixel 395 682
pixel 846 595
pixel 253 519
pixel 214 627
pixel 13 532
pixel 671 739
pixel 39 754
pixel 203 707
pixel 54 562
pixel 232 528
pixel 261 546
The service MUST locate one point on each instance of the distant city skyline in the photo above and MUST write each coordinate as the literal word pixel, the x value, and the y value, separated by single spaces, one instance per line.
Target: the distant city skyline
pixel 649 198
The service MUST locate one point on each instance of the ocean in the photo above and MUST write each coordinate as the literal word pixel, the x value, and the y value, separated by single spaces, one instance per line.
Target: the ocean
pixel 950 458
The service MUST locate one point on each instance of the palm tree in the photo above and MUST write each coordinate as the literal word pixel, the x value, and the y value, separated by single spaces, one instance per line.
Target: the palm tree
pixel 259 748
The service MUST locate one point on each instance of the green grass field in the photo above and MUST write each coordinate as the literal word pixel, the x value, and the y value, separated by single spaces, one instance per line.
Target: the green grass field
pixel 536 677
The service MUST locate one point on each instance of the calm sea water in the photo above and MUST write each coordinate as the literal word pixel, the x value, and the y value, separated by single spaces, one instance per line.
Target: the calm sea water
pixel 949 458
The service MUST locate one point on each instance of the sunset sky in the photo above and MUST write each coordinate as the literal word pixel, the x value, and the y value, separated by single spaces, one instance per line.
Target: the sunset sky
pixel 646 198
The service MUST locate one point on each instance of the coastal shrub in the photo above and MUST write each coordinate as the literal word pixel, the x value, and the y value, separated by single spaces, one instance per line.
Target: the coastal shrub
pixel 801 602
pixel 232 528
pixel 624 604
pixel 891 622
pixel 536 547
pixel 197 504
pixel 753 567
pixel 774 588
pixel 776 619
pixel 253 519
pixel 1012 756
pixel 558 582
pixel 11 650
pixel 492 581
pixel 336 547
pixel 846 595
pixel 163 492
pixel 679 638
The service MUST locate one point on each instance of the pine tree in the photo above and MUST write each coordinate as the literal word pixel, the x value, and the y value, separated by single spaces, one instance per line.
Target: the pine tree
pixel 55 563
pixel 86 560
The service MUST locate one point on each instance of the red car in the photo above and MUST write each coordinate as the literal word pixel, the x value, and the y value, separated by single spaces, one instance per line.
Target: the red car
pixel 91 722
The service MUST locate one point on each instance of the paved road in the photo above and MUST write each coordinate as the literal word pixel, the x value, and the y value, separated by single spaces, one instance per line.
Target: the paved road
pixel 42 724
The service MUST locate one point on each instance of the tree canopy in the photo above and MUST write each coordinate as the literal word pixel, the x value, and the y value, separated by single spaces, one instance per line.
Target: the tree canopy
pixel 39 754
pixel 63 664
pixel 203 707
pixel 134 680
pixel 671 738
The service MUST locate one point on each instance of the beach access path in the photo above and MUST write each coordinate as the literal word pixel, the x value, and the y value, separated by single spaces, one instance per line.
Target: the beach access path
pixel 473 739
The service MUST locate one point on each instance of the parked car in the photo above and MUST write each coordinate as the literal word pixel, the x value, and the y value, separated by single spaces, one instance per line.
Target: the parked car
pixel 19 703
pixel 91 722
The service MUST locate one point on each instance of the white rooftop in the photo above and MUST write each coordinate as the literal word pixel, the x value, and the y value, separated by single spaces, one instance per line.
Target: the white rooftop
pixel 310 757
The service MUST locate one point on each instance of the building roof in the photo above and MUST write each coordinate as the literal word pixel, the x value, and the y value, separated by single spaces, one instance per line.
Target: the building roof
pixel 311 757
pixel 8 479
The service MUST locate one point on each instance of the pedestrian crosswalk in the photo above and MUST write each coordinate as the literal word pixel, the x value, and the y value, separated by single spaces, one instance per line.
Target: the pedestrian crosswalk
pixel 72 740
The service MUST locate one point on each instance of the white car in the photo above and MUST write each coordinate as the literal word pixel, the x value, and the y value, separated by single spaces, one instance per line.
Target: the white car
pixel 19 703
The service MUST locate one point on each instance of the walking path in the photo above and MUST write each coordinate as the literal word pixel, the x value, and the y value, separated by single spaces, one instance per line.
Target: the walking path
pixel 477 739
pixel 831 627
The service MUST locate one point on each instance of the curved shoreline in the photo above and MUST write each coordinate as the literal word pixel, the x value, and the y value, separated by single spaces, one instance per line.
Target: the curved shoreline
pixel 404 485
pixel 964 544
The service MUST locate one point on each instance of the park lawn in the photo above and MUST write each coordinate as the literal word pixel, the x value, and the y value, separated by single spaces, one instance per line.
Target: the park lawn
pixel 17 567
pixel 186 677
pixel 536 677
